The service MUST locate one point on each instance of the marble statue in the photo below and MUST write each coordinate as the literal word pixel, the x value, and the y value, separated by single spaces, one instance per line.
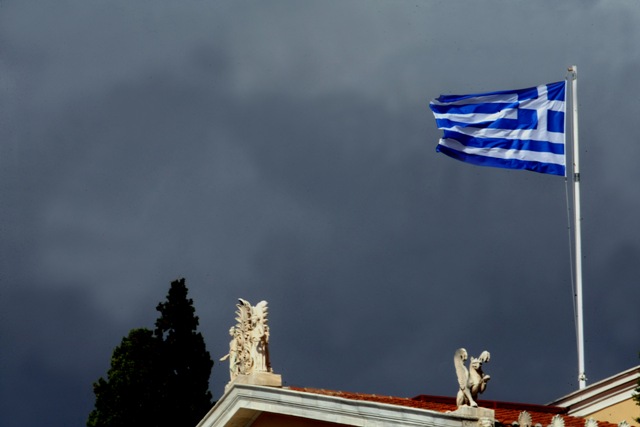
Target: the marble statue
pixel 472 381
pixel 235 346
pixel 260 338
pixel 524 419
pixel 249 345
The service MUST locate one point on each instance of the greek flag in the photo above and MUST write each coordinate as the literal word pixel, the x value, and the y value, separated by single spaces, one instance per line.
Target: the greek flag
pixel 513 129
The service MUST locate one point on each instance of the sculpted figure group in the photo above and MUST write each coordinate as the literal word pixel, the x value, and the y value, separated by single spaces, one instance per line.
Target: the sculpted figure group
pixel 472 381
pixel 249 345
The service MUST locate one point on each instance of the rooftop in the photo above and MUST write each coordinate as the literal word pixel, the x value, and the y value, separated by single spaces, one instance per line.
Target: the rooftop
pixel 506 413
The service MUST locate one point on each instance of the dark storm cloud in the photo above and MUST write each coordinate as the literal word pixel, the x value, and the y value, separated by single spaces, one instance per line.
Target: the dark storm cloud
pixel 285 152
pixel 49 338
pixel 388 261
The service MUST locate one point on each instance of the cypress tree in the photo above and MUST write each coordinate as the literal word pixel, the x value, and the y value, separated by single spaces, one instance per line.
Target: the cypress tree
pixel 186 358
pixel 128 397
pixel 157 378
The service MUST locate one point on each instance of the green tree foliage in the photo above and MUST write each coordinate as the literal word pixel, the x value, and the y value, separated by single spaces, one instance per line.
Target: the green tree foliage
pixel 157 378
pixel 127 397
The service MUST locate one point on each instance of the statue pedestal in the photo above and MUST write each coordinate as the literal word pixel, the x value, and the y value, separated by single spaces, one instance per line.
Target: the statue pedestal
pixel 476 417
pixel 268 379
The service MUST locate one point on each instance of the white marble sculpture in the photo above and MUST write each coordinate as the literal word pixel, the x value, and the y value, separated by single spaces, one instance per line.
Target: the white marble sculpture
pixel 472 381
pixel 591 422
pixel 524 419
pixel 249 345
pixel 557 421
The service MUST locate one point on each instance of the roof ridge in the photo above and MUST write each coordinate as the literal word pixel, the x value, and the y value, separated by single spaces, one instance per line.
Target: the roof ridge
pixel 506 413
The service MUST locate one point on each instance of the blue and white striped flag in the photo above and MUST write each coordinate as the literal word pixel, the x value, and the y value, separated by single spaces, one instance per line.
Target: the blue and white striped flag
pixel 513 129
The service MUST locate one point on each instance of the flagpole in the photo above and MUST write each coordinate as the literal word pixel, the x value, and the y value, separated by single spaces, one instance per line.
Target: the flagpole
pixel 582 378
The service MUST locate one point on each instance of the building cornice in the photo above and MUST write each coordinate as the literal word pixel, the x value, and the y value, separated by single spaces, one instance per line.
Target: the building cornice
pixel 602 394
pixel 242 404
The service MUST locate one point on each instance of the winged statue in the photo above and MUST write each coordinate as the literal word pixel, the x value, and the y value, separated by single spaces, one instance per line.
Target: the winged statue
pixel 259 336
pixel 472 381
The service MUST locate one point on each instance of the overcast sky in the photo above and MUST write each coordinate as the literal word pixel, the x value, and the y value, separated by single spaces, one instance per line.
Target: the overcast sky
pixel 284 150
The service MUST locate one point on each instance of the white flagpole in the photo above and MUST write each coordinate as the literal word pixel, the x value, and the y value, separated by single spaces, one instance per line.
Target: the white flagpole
pixel 582 378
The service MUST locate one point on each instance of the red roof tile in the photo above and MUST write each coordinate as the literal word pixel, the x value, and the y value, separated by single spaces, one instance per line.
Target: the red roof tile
pixel 506 413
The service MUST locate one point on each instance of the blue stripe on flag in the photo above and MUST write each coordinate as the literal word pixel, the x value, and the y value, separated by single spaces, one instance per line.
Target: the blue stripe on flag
pixel 503 163
pixel 484 108
pixel 557 89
